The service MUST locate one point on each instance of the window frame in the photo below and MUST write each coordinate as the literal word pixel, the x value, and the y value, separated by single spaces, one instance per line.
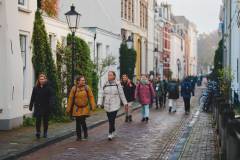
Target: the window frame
pixel 23 49
pixel 23 3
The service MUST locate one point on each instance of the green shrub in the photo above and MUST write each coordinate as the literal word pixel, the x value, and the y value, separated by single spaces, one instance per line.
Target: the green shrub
pixel 43 60
pixel 29 121
pixel 127 61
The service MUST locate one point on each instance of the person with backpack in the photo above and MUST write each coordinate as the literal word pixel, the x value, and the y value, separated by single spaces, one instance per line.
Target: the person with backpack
pixel 129 92
pixel 186 91
pixel 165 86
pixel 144 94
pixel 159 90
pixel 78 106
pixel 173 95
pixel 110 99
pixel 42 100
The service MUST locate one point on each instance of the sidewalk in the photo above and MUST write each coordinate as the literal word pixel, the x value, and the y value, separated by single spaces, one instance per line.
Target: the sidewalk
pixel 202 141
pixel 21 141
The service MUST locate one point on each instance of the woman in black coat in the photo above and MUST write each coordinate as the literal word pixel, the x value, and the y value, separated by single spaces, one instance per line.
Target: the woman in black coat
pixel 42 101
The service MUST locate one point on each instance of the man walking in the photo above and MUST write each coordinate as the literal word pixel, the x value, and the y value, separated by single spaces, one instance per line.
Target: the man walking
pixel 186 91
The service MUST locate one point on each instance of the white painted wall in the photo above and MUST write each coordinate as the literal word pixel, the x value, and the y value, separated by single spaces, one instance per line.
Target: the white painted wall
pixel 13 104
pixel 3 84
pixel 177 53
pixel 105 14
pixel 25 27
pixel 149 66
pixel 110 44
pixel 193 49
pixel 235 48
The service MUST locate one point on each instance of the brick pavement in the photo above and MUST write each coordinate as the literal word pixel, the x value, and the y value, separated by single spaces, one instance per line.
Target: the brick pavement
pixel 135 141
pixel 22 140
pixel 156 140
pixel 202 143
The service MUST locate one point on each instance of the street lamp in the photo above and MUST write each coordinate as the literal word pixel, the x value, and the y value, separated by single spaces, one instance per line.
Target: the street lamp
pixel 73 18
pixel 129 42
pixel 156 60
pixel 178 65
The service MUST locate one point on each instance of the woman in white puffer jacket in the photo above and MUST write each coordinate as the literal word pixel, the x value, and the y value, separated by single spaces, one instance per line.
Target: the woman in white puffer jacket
pixel 110 98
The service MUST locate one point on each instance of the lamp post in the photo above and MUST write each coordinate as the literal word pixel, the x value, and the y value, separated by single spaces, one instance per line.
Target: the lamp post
pixel 129 42
pixel 178 65
pixel 73 18
pixel 156 60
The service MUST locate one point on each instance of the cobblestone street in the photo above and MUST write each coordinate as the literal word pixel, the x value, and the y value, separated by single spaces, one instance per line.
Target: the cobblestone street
pixel 154 140
pixel 202 141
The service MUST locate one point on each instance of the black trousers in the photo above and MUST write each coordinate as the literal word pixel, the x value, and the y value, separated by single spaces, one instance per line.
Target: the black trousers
pixel 187 104
pixel 159 101
pixel 39 119
pixel 111 119
pixel 81 124
pixel 164 98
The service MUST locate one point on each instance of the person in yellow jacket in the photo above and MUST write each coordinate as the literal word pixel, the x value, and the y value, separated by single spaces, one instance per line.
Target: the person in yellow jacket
pixel 78 106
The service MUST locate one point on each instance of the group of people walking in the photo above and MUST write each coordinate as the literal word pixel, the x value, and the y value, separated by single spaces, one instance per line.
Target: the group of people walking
pixel 111 97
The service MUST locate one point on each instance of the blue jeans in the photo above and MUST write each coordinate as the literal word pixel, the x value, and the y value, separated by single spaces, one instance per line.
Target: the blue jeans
pixel 145 111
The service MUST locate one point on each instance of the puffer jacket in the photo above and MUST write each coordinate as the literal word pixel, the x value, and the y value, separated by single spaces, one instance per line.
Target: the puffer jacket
pixel 144 93
pixel 173 90
pixel 83 96
pixel 186 89
pixel 111 96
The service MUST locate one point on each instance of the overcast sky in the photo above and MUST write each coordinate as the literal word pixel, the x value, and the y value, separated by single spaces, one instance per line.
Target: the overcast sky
pixel 204 13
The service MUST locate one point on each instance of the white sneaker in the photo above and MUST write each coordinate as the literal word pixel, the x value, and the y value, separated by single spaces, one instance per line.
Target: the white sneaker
pixel 114 134
pixel 110 137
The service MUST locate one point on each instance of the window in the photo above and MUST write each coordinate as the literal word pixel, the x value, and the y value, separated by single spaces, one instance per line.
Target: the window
pixel 23 47
pixel 22 2
pixel 132 11
pixel 125 9
pixel 181 44
pixel 122 8
pixel 141 14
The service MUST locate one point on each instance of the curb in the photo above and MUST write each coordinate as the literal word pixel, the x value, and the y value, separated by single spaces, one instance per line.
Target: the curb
pixel 56 139
pixel 182 142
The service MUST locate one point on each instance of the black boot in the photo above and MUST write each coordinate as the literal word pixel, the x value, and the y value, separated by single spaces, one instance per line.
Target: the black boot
pixel 38 135
pixel 170 109
pixel 143 119
pixel 45 135
pixel 85 135
pixel 126 118
pixel 130 118
pixel 147 119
